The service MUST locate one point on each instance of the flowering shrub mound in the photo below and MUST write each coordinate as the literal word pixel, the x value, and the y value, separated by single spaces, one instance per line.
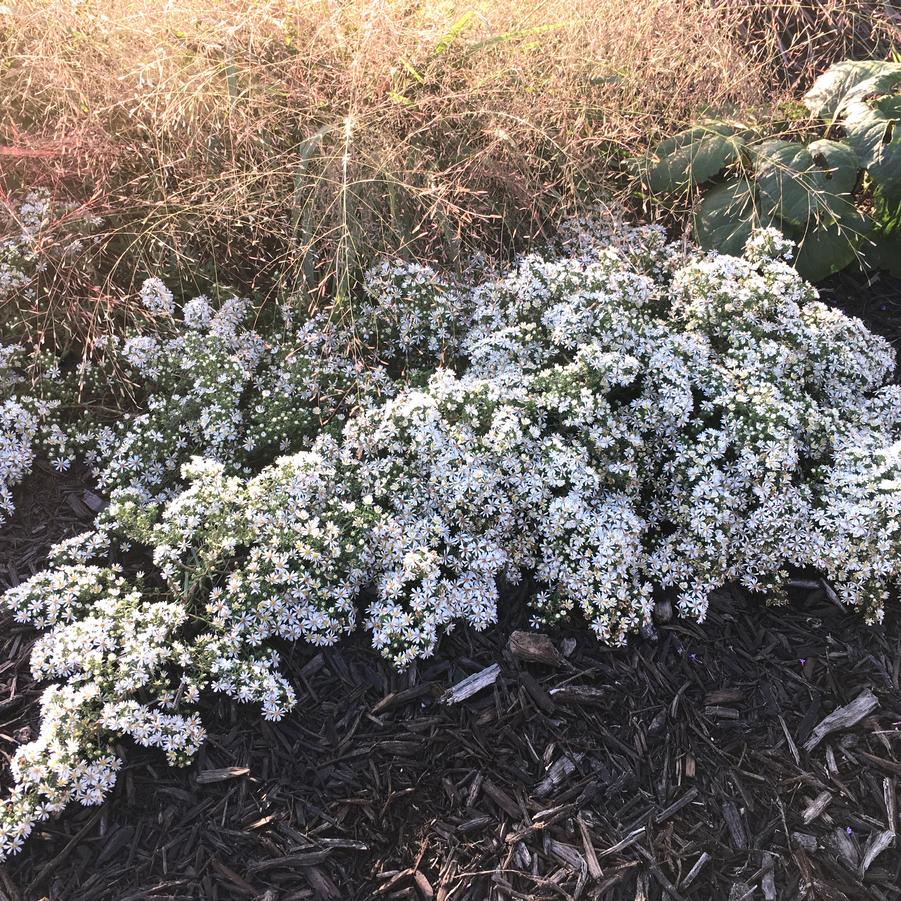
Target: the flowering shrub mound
pixel 215 387
pixel 621 420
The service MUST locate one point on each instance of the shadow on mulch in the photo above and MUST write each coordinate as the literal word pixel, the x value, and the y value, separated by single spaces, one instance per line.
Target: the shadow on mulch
pixel 695 765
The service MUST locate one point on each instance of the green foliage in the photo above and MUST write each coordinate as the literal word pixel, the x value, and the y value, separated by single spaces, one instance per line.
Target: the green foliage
pixel 838 196
pixel 693 156
pixel 838 162
pixel 850 80
pixel 797 183
pixel 873 131
pixel 725 217
pixel 887 238
pixel 824 250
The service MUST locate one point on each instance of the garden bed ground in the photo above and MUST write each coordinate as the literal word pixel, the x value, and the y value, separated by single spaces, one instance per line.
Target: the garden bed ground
pixel 675 768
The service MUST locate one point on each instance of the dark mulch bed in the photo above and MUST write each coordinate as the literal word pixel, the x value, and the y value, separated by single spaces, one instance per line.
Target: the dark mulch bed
pixel 681 767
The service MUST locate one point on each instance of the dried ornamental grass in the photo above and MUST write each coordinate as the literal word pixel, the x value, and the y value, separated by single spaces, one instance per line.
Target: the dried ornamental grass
pixel 271 145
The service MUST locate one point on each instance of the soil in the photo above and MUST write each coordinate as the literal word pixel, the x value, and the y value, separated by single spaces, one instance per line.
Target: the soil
pixel 696 763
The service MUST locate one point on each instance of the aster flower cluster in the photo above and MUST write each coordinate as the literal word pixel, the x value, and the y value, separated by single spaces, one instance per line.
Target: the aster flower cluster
pixel 18 428
pixel 31 420
pixel 619 420
pixel 215 387
pixel 411 316
pixel 38 235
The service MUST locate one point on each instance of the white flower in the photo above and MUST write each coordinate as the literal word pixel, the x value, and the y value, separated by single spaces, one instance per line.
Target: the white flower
pixel 198 313
pixel 156 297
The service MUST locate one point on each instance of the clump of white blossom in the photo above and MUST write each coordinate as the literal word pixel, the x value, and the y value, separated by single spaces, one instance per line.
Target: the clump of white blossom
pixel 617 421
pixel 410 315
pixel 18 428
pixel 213 386
pixel 30 420
pixel 156 297
pixel 38 235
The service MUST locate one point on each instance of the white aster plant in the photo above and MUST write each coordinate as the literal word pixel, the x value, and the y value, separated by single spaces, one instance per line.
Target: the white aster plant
pixel 616 422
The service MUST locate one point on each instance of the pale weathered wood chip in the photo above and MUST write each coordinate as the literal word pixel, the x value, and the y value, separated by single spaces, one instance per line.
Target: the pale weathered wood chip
pixel 876 844
pixel 472 685
pixel 206 777
pixel 843 718
pixel 534 647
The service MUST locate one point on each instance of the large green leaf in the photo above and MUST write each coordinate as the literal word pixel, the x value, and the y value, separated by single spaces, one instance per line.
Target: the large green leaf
pixel 838 162
pixel 874 131
pixel 724 218
pixel 850 80
pixel 798 183
pixel 783 170
pixel 881 246
pixel 825 250
pixel 887 212
pixel 693 156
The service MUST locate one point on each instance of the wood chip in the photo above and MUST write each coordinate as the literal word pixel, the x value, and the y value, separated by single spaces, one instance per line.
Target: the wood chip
pixel 291 861
pixel 722 713
pixel 423 886
pixel 889 766
pixel 627 842
pixel 804 840
pixel 234 878
pixel 694 871
pixel 534 647
pixel 723 696
pixel 843 718
pixel 502 799
pixel 816 807
pixel 541 698
pixel 768 880
pixel 557 774
pixel 472 685
pixel 397 698
pixel 844 848
pixel 735 825
pixel 93 501
pixel 579 694
pixel 591 858
pixel 568 855
pixel 207 777
pixel 889 797
pixel 791 742
pixel 676 806
pixel 876 844
pixel 522 856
